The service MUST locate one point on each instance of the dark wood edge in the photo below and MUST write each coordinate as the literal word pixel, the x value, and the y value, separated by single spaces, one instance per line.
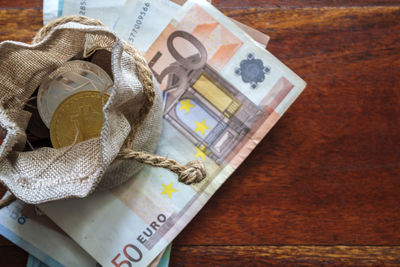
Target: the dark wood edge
pixel 296 255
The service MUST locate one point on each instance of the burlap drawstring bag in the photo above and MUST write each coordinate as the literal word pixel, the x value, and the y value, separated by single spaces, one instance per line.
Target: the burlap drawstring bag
pixel 131 126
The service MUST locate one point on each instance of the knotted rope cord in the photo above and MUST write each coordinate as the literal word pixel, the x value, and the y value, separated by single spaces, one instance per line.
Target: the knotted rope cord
pixel 192 172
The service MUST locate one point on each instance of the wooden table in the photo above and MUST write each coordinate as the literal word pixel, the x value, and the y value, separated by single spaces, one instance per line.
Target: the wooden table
pixel 323 188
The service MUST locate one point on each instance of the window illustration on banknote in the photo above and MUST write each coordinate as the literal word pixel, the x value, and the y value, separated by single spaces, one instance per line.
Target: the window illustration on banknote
pixel 198 101
pixel 201 104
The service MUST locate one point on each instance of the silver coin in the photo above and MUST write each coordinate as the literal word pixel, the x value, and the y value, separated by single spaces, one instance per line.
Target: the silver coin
pixel 72 77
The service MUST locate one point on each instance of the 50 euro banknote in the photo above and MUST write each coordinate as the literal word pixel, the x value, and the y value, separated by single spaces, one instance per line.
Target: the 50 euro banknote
pixel 222 93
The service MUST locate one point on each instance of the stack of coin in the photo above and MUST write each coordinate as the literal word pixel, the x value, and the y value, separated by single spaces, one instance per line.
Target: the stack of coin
pixel 69 104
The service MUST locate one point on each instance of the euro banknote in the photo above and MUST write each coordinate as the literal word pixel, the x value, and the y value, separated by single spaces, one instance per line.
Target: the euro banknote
pixel 52 247
pixel 96 9
pixel 48 245
pixel 164 260
pixel 222 93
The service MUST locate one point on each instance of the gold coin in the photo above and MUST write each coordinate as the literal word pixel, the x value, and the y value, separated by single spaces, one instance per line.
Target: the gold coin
pixel 77 118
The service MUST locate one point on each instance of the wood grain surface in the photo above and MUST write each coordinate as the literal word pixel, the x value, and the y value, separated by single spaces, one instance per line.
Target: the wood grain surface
pixel 323 188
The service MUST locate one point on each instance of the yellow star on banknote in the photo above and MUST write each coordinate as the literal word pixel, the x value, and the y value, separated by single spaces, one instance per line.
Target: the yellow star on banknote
pixel 201 127
pixel 186 105
pixel 200 154
pixel 168 190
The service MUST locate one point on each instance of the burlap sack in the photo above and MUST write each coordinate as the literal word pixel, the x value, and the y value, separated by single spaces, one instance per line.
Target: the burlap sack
pixel 132 115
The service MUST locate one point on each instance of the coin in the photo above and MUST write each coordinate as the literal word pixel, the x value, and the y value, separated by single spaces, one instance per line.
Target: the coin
pixel 72 77
pixel 77 118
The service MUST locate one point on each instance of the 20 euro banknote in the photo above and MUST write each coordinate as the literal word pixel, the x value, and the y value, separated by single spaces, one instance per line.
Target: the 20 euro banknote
pixel 222 93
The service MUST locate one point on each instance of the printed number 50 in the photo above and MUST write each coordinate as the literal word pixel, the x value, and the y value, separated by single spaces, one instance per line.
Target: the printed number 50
pixel 128 254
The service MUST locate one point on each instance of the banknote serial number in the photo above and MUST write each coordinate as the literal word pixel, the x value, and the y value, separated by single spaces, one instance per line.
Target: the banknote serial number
pixel 82 7
pixel 132 253
pixel 139 21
